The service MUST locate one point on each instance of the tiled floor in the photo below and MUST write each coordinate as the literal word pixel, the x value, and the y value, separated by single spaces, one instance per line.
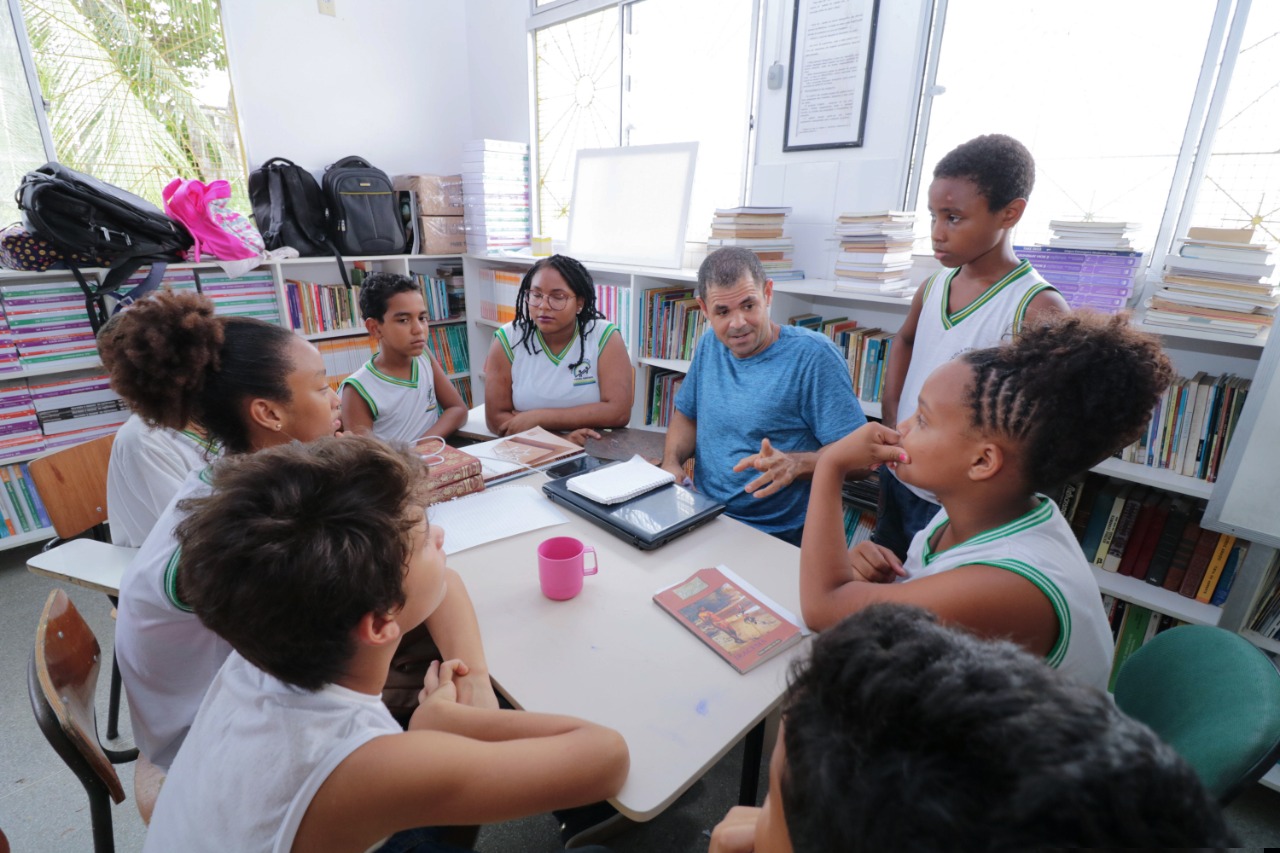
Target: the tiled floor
pixel 44 810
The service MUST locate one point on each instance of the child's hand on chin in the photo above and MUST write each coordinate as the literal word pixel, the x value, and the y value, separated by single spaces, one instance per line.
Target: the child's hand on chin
pixel 869 446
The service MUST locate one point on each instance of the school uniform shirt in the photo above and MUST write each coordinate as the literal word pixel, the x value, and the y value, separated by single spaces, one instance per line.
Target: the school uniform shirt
pixel 545 380
pixel 796 392
pixel 258 751
pixel 990 320
pixel 167 657
pixel 402 409
pixel 1040 547
pixel 148 465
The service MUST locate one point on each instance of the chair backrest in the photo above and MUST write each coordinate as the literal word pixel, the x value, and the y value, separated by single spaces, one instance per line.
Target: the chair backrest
pixel 62 682
pixel 1212 696
pixel 73 485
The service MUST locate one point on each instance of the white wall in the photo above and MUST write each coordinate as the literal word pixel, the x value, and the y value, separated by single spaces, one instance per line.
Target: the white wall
pixel 498 69
pixel 385 79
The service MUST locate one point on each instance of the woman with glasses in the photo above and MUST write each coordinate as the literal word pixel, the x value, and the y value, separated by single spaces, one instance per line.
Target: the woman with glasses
pixel 559 365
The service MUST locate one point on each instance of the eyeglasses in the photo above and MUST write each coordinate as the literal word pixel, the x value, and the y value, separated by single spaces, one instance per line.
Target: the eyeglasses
pixel 556 300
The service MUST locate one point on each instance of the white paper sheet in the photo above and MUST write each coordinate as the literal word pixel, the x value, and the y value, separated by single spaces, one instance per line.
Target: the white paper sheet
pixel 491 515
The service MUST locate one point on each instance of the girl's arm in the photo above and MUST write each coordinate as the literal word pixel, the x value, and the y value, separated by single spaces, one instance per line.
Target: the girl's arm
pixel 456 632
pixel 455 410
pixel 356 416
pixel 895 373
pixel 617 393
pixel 498 406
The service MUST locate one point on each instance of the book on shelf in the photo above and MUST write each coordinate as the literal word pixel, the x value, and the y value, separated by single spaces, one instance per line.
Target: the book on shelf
pixel 1228 576
pixel 1099 515
pixel 1167 542
pixel 1201 554
pixel 741 625
pixel 1113 513
pixel 620 481
pixel 1133 632
pixel 1131 504
pixel 1181 560
pixel 1146 525
pixel 662 389
pixel 1213 572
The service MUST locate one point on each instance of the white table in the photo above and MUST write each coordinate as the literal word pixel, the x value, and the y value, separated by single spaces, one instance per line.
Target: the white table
pixel 475 426
pixel 85 562
pixel 612 656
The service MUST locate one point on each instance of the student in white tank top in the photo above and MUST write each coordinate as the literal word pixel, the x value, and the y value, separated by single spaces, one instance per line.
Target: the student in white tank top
pixel 402 393
pixel 559 365
pixel 994 428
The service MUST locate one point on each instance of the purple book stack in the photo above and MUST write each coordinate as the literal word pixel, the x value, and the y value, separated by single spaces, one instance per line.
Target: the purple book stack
pixel 1100 279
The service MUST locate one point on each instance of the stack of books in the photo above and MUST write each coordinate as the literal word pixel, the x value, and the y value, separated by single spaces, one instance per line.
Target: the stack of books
pixel 760 229
pixel 1091 234
pixel 455 287
pixel 1099 279
pixel 9 360
pixel 875 251
pixel 250 295
pixel 20 433
pixel 344 356
pixel 448 343
pixel 77 407
pixel 498 290
pixel 48 324
pixel 673 323
pixel 614 302
pixel 1219 281
pixel 495 196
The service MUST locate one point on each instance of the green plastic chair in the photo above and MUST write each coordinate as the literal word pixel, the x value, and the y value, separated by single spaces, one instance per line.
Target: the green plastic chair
pixel 1212 696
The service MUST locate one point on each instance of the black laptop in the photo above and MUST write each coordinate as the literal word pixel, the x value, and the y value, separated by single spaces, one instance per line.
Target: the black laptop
pixel 649 521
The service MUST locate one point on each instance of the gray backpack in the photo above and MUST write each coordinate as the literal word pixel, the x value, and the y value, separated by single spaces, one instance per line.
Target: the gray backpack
pixel 364 213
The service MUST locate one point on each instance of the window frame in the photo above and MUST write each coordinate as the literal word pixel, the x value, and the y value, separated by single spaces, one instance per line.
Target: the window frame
pixel 38 103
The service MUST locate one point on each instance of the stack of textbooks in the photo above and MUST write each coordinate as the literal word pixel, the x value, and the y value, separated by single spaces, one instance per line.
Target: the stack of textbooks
pixel 875 251
pixel 673 323
pixel 760 229
pixel 1091 234
pixel 20 504
pixel 495 196
pixel 316 308
pixel 48 324
pixel 1218 280
pixel 1098 279
pixel 448 343
pixel 9 360
pixel 250 295
pixel 614 302
pixel 498 290
pixel 20 433
pixel 1191 426
pixel 77 407
pixel 344 356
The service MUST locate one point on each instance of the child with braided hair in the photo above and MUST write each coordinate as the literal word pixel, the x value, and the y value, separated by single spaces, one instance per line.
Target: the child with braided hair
pixel 559 365
pixel 993 429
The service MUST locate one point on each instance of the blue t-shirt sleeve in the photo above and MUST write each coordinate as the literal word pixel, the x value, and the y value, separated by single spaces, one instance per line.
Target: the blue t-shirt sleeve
pixel 830 405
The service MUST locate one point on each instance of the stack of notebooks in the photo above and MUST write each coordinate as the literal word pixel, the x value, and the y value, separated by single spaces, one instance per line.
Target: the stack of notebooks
pixel 498 290
pixel 48 324
pixel 495 196
pixel 1098 279
pixel 1091 234
pixel 1191 426
pixel 1220 281
pixel 875 251
pixel 761 230
pixel 77 407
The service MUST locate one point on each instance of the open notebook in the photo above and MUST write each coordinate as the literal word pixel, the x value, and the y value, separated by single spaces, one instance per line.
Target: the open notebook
pixel 621 481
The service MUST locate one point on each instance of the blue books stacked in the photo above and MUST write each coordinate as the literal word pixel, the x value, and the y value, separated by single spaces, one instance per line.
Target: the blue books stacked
pixel 1101 279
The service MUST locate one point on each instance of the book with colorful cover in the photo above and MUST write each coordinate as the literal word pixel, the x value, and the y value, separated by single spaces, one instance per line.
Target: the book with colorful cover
pixel 714 605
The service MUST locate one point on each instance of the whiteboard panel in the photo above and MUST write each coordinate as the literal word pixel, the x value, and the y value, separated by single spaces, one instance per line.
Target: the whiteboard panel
pixel 1246 497
pixel 631 205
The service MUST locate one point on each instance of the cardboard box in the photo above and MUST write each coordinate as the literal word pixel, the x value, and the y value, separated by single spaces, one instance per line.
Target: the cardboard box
pixel 438 195
pixel 442 235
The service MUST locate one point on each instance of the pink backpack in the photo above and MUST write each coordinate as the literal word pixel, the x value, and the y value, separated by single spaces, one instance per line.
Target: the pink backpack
pixel 218 230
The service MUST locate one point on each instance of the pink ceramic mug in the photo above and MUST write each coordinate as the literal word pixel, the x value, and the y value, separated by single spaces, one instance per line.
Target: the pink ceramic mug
pixel 561 565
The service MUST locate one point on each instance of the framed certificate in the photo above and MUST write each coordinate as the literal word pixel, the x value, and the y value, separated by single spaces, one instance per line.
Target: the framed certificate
pixel 832 42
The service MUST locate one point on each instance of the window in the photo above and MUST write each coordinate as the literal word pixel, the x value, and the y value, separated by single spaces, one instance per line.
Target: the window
pixel 621 76
pixel 137 93
pixel 22 144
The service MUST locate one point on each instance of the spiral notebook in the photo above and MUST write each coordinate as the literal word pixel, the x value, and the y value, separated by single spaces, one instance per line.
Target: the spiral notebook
pixel 620 482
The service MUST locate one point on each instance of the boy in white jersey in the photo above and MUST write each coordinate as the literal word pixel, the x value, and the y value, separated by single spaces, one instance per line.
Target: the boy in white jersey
pixel 317 560
pixel 993 429
pixel 978 195
pixel 398 394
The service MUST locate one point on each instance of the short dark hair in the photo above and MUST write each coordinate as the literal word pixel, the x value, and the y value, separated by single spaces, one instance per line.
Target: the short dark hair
pixel 295 544
pixel 725 268
pixel 1071 390
pixel 903 734
pixel 1000 165
pixel 175 362
pixel 377 290
pixel 580 282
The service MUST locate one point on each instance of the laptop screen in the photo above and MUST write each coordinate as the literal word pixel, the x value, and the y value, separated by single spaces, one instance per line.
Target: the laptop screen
pixel 648 521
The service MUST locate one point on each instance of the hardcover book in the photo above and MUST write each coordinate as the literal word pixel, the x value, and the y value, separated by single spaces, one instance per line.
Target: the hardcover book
pixel 741 628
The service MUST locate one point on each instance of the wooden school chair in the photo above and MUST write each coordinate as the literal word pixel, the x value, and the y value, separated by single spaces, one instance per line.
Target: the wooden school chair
pixel 62 680
pixel 73 486
pixel 1211 695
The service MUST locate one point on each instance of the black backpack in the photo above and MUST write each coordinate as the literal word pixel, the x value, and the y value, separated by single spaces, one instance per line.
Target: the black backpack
pixel 290 210
pixel 364 213
pixel 81 215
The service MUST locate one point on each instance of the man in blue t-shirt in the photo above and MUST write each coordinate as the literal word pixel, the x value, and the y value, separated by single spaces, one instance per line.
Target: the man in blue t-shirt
pixel 760 400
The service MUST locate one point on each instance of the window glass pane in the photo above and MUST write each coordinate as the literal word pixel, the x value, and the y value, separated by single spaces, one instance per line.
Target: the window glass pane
pixel 669 44
pixel 1241 184
pixel 138 91
pixel 21 148
pixel 1098 90
pixel 576 86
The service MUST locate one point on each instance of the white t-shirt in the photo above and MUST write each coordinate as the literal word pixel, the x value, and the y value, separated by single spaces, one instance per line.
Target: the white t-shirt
pixel 167 657
pixel 148 466
pixel 256 755
pixel 402 409
pixel 545 380
pixel 1040 547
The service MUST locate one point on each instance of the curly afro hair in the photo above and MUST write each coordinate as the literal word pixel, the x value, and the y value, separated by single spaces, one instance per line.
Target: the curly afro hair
pixel 1000 165
pixel 1070 391
pixel 377 290
pixel 176 363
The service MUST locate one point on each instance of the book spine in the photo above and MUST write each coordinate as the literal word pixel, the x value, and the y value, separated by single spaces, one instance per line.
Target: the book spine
pixel 28 495
pixel 41 512
pixel 12 501
pixel 1214 571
